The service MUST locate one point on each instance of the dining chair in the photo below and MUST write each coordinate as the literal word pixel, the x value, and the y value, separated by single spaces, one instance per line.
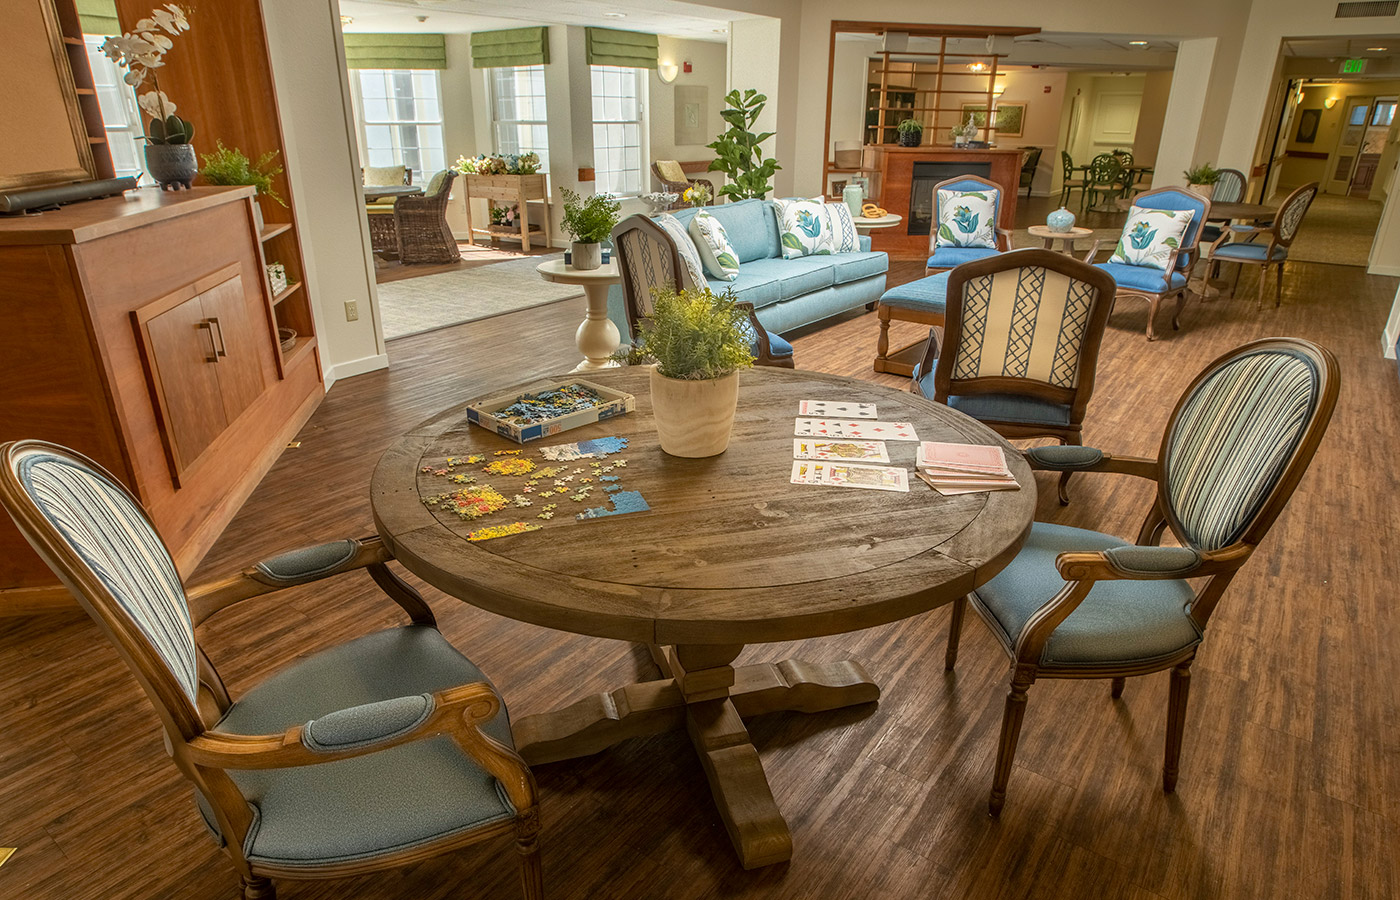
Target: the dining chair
pixel 1252 250
pixel 1075 603
pixel 1069 182
pixel 368 756
pixel 1229 188
pixel 1020 345
pixel 964 237
pixel 421 225
pixel 1104 179
pixel 649 257
pixel 1139 274
pixel 1030 161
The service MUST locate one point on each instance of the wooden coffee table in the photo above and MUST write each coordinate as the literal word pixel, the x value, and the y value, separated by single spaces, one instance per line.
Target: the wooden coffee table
pixel 730 554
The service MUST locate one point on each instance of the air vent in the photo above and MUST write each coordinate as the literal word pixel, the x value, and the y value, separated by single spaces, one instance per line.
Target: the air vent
pixel 1367 9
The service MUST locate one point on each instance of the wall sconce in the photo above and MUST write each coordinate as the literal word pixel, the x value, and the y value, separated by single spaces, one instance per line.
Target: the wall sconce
pixel 999 89
pixel 667 72
pixel 1330 102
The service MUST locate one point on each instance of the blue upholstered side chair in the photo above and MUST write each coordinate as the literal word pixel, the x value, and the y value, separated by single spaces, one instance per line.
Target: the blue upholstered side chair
pixel 1082 604
pixel 1266 246
pixel 647 258
pixel 367 756
pixel 943 257
pixel 1229 188
pixel 1148 282
pixel 1020 345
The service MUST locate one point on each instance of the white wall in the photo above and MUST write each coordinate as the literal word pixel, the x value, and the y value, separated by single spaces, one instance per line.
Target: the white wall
pixel 1041 126
pixel 709 69
pixel 459 111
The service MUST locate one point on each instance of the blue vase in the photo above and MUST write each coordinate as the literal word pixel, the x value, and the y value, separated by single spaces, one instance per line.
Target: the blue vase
pixel 1061 221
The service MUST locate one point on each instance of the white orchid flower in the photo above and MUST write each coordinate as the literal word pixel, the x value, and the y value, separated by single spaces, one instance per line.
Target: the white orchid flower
pixel 156 39
pixel 178 15
pixel 134 77
pixel 156 105
pixel 144 25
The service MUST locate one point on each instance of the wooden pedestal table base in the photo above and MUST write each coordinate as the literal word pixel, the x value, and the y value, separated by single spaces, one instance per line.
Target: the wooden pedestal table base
pixel 710 700
pixel 597 336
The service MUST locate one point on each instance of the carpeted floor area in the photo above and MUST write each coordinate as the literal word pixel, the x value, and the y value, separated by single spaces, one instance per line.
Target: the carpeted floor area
pixel 1337 230
pixel 415 305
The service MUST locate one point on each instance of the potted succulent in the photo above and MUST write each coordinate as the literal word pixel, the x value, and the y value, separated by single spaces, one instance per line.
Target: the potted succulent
pixel 232 166
pixel 911 132
pixel 1202 179
pixel 170 158
pixel 697 342
pixel 590 222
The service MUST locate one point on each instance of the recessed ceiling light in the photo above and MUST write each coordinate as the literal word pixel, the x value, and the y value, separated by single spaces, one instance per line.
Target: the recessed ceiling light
pixel 720 30
pixel 1376 49
pixel 614 15
pixel 1137 43
pixel 347 20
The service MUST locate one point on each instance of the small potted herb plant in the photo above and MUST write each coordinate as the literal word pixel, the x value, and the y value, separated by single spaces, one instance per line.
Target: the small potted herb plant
pixel 911 132
pixel 1202 179
pixel 589 221
pixel 232 166
pixel 697 342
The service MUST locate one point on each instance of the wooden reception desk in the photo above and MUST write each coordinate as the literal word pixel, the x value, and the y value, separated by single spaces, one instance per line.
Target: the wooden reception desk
pixel 898 166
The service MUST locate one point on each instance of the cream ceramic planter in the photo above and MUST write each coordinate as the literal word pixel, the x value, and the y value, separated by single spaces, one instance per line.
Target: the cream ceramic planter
pixel 693 417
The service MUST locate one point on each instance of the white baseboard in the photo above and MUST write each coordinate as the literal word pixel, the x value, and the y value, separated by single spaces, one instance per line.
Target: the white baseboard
pixel 1383 270
pixel 355 367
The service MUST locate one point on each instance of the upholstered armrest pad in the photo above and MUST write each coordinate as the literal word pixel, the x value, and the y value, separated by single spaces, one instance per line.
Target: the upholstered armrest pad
pixel 306 563
pixel 865 243
pixel 1243 229
pixel 1136 560
pixel 363 726
pixel 1066 458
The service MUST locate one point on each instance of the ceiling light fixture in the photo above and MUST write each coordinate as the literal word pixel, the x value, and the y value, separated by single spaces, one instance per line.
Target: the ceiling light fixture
pixel 614 15
pixel 977 66
pixel 1376 49
pixel 1137 43
pixel 720 30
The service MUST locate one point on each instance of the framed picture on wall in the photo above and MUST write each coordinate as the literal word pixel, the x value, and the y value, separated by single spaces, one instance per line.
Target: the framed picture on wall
pixel 1010 117
pixel 1308 120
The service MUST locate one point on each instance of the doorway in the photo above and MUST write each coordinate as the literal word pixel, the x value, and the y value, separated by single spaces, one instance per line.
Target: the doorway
pixel 1366 124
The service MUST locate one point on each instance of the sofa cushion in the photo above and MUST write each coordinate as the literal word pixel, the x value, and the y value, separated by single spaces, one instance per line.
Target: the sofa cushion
pixel 690 257
pixel 804 228
pixel 1151 236
pixel 759 288
pixel 713 244
pixel 967 219
pixel 795 277
pixel 1139 278
pixel 844 237
pixel 750 225
pixel 855 266
pixel 951 257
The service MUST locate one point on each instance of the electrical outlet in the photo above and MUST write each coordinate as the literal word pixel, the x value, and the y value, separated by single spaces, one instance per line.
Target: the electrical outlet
pixel 352 311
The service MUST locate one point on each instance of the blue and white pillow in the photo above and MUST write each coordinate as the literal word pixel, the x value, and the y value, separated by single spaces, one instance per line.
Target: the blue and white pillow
pixel 804 228
pixel 967 219
pixel 721 262
pixel 844 237
pixel 1150 236
pixel 690 257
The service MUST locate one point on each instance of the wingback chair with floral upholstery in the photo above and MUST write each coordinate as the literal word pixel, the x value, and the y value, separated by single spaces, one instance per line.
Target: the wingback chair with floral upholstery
pixel 370 755
pixel 1082 604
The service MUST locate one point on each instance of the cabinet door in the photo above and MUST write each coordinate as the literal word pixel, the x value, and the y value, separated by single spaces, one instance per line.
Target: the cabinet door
pixel 183 361
pixel 241 345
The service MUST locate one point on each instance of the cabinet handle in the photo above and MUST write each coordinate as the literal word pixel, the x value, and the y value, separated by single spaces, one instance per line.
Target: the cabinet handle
pixel 208 326
pixel 222 349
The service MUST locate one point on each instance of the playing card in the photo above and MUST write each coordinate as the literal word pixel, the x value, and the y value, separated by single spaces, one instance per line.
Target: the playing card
pixel 877 478
pixel 935 455
pixel 836 409
pixel 808 472
pixel 865 451
pixel 863 429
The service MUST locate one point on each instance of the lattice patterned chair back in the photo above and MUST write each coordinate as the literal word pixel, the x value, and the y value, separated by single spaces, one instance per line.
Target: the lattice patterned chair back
pixel 1291 211
pixel 1241 438
pixel 647 258
pixel 1229 187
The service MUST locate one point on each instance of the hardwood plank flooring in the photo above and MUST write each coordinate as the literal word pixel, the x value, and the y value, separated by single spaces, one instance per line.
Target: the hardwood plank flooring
pixel 1289 784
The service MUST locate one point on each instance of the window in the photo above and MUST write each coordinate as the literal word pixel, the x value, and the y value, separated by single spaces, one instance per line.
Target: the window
pixel 120 117
pixel 401 116
pixel 1384 113
pixel 518 112
pixel 617 130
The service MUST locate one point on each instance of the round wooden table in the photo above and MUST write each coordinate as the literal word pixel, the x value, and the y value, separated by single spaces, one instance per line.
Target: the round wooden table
pixel 597 337
pixel 1066 238
pixel 865 225
pixel 374 192
pixel 729 554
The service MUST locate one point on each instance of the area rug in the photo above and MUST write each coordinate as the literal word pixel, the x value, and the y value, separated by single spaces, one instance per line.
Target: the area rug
pixel 414 305
pixel 1337 230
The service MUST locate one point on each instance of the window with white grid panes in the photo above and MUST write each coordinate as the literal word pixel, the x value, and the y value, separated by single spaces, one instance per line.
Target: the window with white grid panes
pixel 617 130
pixel 518 111
pixel 121 118
pixel 401 117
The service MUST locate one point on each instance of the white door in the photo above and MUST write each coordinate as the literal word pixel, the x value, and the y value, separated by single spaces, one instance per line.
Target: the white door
pixel 1343 161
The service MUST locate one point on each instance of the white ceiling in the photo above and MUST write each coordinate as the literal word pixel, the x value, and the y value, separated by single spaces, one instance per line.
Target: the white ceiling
pixel 1342 47
pixel 670 17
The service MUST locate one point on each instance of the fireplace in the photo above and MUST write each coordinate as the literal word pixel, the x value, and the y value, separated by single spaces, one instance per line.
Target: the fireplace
pixel 928 174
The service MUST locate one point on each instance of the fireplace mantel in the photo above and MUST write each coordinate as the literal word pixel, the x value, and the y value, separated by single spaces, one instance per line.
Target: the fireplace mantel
pixel 896 167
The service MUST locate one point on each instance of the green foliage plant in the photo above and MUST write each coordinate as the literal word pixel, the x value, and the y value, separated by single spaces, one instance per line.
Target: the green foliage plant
pixel 738 153
pixel 1205 173
pixel 231 166
pixel 910 126
pixel 693 335
pixel 590 220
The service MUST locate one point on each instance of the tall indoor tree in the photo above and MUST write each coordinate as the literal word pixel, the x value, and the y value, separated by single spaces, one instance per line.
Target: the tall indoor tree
pixel 737 151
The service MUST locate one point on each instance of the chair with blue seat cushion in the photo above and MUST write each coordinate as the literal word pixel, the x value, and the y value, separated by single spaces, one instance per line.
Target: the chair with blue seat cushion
pixel 1229 188
pixel 1020 345
pixel 1251 248
pixel 1153 284
pixel 367 756
pixel 1080 604
pixel 943 255
pixel 648 259
pixel 922 301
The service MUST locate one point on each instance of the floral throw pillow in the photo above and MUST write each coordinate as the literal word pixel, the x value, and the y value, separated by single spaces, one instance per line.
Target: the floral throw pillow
pixel 1150 236
pixel 844 237
pixel 967 219
pixel 716 252
pixel 804 228
pixel 690 257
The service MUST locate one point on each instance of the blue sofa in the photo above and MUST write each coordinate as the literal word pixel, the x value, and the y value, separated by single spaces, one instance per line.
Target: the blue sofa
pixel 786 293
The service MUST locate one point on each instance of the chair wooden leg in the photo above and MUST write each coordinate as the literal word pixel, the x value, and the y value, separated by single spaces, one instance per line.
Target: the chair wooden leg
pixel 1176 720
pixel 1259 302
pixel 255 888
pixel 1278 287
pixel 1116 690
pixel 955 621
pixel 1010 734
pixel 527 843
pixel 1180 305
pixel 1239 267
pixel 882 347
pixel 1152 303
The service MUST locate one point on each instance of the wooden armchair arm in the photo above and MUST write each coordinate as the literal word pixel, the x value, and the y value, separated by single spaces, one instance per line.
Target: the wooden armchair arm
pixel 1006 239
pixel 456 712
pixel 1073 458
pixel 764 349
pixel 1093 251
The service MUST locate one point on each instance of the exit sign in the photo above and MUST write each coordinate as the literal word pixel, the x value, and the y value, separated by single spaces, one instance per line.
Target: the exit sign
pixel 1353 66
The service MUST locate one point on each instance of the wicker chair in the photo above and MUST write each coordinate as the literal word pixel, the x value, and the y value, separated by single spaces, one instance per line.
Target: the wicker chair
pixel 674 179
pixel 420 224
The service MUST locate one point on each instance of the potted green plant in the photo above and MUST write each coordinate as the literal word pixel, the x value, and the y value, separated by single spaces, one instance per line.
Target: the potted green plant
pixel 965 132
pixel 1202 179
pixel 589 221
pixel 911 133
pixel 170 158
pixel 232 166
pixel 738 153
pixel 697 342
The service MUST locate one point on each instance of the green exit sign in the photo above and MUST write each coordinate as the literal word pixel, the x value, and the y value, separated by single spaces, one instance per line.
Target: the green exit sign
pixel 1353 66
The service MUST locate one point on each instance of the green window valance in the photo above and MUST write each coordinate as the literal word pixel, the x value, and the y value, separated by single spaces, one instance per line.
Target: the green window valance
pixel 98 17
pixel 635 49
pixel 395 51
pixel 510 47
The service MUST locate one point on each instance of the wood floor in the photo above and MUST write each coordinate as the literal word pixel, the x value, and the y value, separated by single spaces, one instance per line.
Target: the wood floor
pixel 1290 781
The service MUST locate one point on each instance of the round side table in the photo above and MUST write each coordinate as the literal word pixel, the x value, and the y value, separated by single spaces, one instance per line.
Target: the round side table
pixel 1066 238
pixel 865 226
pixel 597 336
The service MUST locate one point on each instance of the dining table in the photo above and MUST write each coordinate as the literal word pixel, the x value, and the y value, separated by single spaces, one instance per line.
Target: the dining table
pixel 717 554
pixel 373 192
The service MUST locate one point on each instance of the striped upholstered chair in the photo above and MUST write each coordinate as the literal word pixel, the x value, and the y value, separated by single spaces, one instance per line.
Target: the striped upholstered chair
pixel 370 755
pixel 1021 344
pixel 1081 604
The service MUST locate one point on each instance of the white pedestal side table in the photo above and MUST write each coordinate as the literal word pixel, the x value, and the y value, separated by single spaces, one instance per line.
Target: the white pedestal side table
pixel 865 226
pixel 597 336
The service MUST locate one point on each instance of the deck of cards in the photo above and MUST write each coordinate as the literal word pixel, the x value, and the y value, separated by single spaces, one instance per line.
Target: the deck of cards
pixel 837 451
pixel 964 468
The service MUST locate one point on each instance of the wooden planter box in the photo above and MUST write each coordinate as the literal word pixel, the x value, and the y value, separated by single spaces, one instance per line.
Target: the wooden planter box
pixel 508 189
